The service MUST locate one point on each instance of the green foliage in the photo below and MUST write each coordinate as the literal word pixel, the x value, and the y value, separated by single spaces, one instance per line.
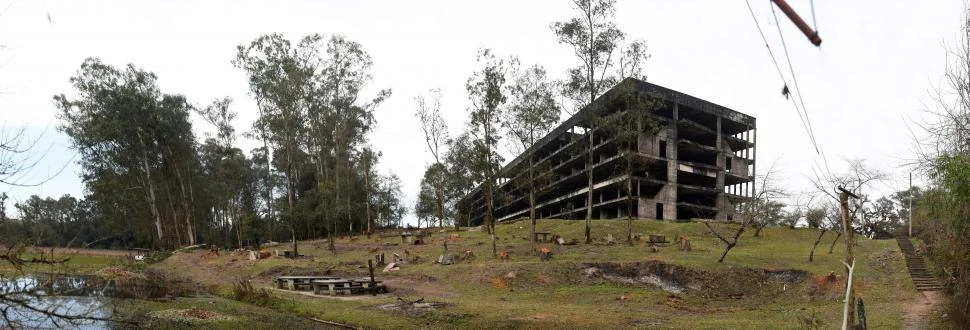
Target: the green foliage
pixel 945 228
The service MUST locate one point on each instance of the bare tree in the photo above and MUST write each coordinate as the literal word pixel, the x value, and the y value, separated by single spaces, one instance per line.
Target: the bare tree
pixel 857 178
pixel 436 138
pixel 751 209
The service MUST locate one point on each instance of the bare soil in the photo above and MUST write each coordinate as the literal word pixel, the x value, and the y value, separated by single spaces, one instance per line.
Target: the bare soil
pixel 675 279
pixel 922 313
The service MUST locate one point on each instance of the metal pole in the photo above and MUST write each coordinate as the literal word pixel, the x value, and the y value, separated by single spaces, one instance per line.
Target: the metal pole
pixel 812 35
pixel 911 204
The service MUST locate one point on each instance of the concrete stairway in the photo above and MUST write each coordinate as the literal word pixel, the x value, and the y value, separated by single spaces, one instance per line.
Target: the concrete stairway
pixel 922 278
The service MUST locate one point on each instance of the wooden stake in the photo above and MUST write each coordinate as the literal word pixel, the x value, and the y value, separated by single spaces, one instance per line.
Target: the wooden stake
pixel 844 195
pixel 370 269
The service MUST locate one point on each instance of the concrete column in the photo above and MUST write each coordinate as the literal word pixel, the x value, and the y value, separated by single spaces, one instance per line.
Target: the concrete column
pixel 668 194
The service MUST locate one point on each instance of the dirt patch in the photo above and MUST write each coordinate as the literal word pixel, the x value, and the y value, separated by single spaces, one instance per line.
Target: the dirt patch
pixel 412 307
pixel 922 313
pixel 292 270
pixel 189 315
pixel 675 279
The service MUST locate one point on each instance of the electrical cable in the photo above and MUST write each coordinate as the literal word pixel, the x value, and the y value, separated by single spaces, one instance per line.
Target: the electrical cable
pixel 782 75
pixel 794 80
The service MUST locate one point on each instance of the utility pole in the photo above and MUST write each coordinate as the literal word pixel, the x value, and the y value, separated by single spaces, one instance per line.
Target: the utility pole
pixel 812 35
pixel 910 204
pixel 849 316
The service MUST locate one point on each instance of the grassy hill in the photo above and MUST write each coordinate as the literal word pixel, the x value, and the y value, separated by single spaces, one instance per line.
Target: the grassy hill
pixel 764 282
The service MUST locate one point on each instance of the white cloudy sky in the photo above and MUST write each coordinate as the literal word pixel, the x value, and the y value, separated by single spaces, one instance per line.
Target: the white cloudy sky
pixel 872 75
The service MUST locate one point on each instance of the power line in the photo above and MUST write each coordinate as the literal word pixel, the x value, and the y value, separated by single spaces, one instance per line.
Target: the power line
pixel 794 80
pixel 782 75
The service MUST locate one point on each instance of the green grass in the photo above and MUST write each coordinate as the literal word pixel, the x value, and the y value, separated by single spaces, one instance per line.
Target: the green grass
pixel 557 295
pixel 240 315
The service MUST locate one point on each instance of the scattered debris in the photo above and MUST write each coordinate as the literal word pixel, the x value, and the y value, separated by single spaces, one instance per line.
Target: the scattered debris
pixel 684 243
pixel 447 259
pixel 189 315
pixel 545 254
pixel 391 267
pixel 510 276
pixel 504 256
pixel 610 239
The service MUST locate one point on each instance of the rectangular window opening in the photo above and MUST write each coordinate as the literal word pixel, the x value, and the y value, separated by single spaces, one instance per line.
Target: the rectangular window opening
pixel 663 149
pixel 660 211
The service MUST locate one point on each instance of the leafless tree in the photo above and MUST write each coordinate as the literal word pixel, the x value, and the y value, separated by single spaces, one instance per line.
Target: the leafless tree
pixel 436 137
pixel 752 209
pixel 857 178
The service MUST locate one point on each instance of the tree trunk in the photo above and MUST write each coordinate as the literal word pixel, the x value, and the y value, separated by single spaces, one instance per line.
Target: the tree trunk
pixel 367 197
pixel 832 247
pixel 811 255
pixel 439 195
pixel 757 230
pixel 726 250
pixel 152 202
pixel 629 207
pixel 849 257
pixel 489 213
pixel 290 198
pixel 532 203
pixel 589 194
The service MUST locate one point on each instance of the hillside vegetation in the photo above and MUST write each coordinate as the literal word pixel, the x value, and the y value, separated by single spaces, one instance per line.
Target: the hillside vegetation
pixel 765 282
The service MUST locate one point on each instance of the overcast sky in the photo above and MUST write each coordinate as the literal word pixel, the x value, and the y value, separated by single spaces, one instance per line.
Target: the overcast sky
pixel 873 73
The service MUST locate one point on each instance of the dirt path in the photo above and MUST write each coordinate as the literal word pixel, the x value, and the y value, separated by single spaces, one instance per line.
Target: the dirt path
pixel 921 314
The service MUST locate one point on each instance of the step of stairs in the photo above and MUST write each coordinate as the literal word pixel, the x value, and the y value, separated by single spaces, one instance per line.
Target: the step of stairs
pixel 923 280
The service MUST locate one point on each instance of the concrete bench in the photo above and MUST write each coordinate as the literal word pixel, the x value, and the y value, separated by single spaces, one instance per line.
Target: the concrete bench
pixel 299 282
pixel 346 286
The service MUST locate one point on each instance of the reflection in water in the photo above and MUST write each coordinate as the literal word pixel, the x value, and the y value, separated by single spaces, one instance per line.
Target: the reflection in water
pixel 72 295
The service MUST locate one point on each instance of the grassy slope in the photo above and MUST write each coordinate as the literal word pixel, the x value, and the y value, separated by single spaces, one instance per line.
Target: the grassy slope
pixel 556 294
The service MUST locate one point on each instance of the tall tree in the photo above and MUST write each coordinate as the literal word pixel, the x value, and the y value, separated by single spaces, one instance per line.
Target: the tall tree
pixel 279 81
pixel 531 114
pixel 122 123
pixel 436 138
pixel 594 39
pixel 632 119
pixel 486 90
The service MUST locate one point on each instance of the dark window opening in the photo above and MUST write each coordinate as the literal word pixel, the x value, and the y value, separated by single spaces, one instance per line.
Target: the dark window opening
pixel 727 163
pixel 660 211
pixel 663 149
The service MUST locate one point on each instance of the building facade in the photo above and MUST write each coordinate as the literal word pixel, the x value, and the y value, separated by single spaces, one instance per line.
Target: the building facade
pixel 698 162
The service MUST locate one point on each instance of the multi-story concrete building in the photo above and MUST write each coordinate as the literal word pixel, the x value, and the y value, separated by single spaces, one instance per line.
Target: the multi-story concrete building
pixel 699 164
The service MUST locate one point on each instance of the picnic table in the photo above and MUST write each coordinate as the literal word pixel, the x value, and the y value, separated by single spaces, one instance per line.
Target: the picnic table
pixel 298 281
pixel 656 240
pixel 345 286
pixel 545 236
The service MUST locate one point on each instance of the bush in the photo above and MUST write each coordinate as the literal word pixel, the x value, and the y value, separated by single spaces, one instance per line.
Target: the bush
pixel 245 292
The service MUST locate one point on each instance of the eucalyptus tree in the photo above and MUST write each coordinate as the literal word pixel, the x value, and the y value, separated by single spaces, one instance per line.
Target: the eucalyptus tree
pixel 431 195
pixel 595 40
pixel 459 173
pixel 436 138
pixel 344 72
pixel 368 158
pixel 125 128
pixel 278 81
pixel 531 114
pixel 632 119
pixel 486 90
pixel 388 201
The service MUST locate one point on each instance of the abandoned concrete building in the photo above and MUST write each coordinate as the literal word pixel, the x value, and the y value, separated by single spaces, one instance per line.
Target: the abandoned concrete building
pixel 699 164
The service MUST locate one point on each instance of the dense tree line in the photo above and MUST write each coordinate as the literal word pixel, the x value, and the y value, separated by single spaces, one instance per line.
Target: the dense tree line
pixel 151 182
